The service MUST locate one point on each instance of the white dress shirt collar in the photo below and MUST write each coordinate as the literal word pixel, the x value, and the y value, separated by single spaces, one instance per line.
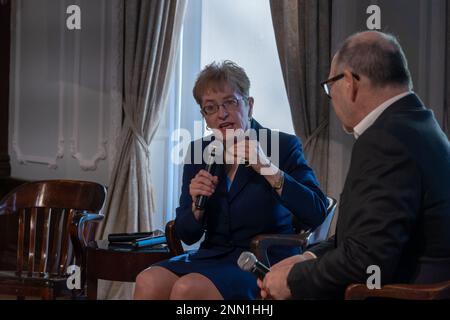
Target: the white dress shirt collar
pixel 365 123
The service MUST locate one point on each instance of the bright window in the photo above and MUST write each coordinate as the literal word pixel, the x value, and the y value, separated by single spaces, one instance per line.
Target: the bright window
pixel 216 30
pixel 242 31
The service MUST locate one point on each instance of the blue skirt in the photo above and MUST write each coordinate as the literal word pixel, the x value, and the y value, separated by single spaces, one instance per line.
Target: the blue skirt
pixel 232 282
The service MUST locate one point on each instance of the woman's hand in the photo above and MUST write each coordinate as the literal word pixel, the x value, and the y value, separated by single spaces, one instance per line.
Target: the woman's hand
pixel 202 184
pixel 249 152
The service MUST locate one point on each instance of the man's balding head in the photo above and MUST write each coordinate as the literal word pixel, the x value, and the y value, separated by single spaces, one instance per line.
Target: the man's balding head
pixel 376 55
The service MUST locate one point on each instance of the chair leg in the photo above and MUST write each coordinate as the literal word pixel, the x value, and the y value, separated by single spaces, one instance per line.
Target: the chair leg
pixel 48 294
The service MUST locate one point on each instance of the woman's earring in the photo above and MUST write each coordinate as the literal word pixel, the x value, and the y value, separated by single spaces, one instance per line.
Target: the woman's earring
pixel 208 128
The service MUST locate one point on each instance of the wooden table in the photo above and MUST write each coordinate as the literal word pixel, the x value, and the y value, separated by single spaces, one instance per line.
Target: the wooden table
pixel 117 264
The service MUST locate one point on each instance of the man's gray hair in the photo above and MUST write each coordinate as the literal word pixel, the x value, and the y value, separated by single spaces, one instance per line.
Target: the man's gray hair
pixel 380 58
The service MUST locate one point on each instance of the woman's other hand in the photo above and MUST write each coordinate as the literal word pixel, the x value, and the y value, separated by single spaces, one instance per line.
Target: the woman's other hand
pixel 203 184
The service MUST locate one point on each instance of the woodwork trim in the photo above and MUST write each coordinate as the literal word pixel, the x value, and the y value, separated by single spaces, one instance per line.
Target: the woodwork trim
pixel 5 47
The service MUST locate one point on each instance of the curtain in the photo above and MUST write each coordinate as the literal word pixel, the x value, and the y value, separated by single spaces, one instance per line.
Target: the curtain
pixel 150 41
pixel 303 36
pixel 446 121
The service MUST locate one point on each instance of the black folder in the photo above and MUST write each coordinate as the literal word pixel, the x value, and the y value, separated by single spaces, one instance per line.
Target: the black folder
pixel 129 237
pixel 137 240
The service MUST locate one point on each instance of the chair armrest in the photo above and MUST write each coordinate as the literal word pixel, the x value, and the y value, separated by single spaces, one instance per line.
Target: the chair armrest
pixel 261 243
pixel 434 291
pixel 77 232
pixel 174 244
pixel 78 222
pixel 79 219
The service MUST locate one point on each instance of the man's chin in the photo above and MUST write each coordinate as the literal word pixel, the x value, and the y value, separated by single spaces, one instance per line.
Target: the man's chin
pixel 348 130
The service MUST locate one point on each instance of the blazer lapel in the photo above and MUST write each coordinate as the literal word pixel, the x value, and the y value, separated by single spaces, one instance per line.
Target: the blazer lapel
pixel 243 173
pixel 222 186
pixel 242 177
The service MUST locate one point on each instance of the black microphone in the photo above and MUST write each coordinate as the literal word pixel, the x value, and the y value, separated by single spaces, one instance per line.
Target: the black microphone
pixel 248 262
pixel 200 202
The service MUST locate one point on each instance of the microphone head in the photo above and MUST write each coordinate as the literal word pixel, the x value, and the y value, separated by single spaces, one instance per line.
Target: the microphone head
pixel 214 151
pixel 216 146
pixel 247 261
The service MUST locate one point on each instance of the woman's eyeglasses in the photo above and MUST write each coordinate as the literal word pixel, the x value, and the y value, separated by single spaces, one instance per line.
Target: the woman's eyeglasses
pixel 228 104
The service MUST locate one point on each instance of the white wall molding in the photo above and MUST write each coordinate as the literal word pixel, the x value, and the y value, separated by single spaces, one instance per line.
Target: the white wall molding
pixel 66 90
pixel 23 158
pixel 102 142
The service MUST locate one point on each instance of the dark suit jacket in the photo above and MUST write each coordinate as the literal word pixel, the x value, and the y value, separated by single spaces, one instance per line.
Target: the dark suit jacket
pixel 251 206
pixel 394 210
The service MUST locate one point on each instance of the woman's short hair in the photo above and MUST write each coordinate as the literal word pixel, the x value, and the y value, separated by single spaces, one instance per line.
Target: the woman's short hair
pixel 217 74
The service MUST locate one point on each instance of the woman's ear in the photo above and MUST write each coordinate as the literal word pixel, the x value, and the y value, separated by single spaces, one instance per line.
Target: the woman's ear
pixel 250 107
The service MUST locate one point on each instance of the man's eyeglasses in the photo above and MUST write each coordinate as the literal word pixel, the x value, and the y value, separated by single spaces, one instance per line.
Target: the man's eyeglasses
pixel 228 104
pixel 326 85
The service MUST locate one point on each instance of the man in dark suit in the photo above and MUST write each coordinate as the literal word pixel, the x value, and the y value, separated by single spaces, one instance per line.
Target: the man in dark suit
pixel 394 210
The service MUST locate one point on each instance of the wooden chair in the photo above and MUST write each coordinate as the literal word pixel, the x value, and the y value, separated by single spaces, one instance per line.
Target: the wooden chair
pixel 436 291
pixel 173 242
pixel 49 213
pixel 261 243
pixel 431 282
pixel 303 237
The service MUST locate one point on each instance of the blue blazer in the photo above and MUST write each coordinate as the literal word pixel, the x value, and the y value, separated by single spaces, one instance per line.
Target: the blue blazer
pixel 251 206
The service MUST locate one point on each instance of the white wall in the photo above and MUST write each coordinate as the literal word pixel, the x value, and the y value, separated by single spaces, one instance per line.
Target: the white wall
pixel 242 31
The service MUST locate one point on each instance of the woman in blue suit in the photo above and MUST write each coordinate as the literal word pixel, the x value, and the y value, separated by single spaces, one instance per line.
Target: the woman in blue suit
pixel 243 200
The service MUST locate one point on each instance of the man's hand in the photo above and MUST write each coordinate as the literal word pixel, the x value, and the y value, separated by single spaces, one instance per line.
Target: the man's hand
pixel 294 260
pixel 275 284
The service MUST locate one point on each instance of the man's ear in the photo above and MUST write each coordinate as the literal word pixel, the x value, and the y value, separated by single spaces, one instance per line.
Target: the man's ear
pixel 352 85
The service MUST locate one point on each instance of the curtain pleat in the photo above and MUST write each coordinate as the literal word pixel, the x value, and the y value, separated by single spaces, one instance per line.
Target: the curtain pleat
pixel 303 37
pixel 151 35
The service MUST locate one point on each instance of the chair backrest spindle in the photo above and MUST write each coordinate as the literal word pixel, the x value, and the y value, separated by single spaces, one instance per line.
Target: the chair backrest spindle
pixel 20 241
pixel 58 217
pixel 45 241
pixel 65 238
pixel 32 241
